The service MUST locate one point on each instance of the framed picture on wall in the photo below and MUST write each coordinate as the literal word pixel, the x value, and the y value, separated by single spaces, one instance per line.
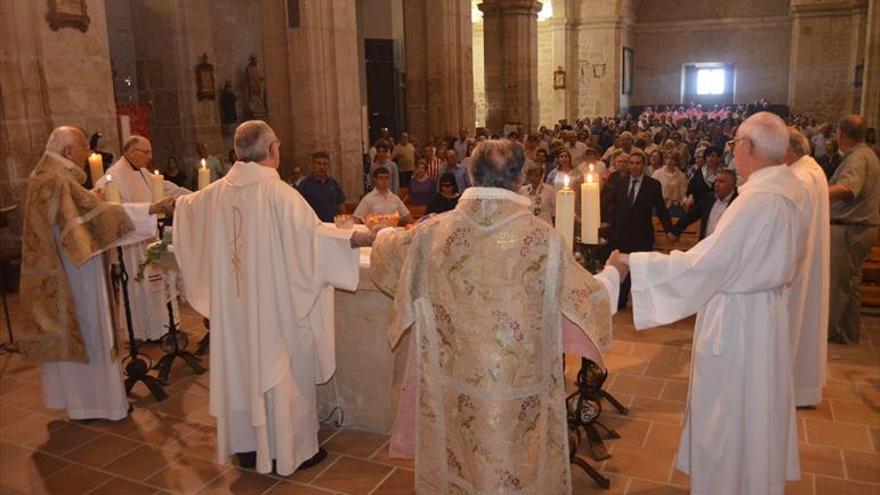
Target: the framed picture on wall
pixel 627 79
pixel 68 13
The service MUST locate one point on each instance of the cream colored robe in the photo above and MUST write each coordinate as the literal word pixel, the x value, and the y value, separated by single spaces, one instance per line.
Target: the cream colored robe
pixel 257 261
pixel 148 298
pixel 485 288
pixel 740 434
pixel 809 294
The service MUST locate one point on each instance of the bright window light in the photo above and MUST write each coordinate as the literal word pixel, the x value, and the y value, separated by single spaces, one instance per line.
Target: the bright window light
pixel 710 81
pixel 546 11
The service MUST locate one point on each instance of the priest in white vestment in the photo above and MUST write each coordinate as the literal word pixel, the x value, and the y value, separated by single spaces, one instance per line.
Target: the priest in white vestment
pixel 148 297
pixel 66 309
pixel 258 262
pixel 740 434
pixel 809 294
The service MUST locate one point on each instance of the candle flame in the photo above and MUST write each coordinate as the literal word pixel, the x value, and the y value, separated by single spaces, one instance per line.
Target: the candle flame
pixel 94 156
pixel 590 176
pixel 591 168
pixel 565 180
pixel 156 173
pixel 109 177
pixel 203 163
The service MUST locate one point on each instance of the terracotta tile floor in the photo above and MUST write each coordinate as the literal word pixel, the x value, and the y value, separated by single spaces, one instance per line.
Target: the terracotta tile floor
pixel 168 447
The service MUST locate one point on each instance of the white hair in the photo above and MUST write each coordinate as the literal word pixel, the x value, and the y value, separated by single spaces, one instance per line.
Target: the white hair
pixel 798 142
pixel 768 134
pixel 63 137
pixel 252 141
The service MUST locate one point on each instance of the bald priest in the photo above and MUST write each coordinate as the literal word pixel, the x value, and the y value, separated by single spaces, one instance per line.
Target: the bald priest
pixel 65 302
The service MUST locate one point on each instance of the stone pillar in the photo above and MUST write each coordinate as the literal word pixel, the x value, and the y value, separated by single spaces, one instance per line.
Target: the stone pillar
pixel 871 81
pixel 170 37
pixel 313 72
pixel 511 57
pixel 827 42
pixel 439 67
pixel 47 79
pixel 600 29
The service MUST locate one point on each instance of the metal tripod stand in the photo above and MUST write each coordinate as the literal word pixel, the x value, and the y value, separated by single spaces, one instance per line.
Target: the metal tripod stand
pixel 136 367
pixel 584 407
pixel 174 344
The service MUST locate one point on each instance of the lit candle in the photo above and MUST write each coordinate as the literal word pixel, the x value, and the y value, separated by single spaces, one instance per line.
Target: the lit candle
pixel 157 187
pixel 204 175
pixel 111 191
pixel 565 213
pixel 590 209
pixel 96 167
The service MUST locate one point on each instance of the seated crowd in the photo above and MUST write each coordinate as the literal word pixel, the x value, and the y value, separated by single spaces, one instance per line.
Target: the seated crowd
pixel 679 152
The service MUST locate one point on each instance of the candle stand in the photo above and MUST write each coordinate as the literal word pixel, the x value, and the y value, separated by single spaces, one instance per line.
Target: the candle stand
pixel 584 406
pixel 174 343
pixel 136 367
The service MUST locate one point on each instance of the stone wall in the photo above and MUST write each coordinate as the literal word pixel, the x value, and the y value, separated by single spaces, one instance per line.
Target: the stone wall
pixel 479 75
pixel 828 42
pixel 760 49
pixel 47 79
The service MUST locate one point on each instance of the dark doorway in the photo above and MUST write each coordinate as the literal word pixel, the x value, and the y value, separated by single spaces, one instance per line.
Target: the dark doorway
pixel 383 100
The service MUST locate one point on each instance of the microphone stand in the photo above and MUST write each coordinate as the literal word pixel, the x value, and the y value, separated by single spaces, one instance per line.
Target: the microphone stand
pixel 136 368
pixel 174 343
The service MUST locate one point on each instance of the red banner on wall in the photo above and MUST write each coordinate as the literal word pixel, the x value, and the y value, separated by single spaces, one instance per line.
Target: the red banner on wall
pixel 133 119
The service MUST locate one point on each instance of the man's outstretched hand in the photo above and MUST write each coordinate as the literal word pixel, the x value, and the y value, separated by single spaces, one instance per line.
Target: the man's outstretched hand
pixel 619 261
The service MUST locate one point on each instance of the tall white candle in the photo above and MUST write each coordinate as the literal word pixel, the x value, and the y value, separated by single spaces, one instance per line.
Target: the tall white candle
pixel 565 213
pixel 204 175
pixel 157 186
pixel 590 209
pixel 96 167
pixel 111 191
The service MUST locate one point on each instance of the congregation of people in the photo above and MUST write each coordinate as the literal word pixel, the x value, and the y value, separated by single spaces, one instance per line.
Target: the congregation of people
pixel 788 210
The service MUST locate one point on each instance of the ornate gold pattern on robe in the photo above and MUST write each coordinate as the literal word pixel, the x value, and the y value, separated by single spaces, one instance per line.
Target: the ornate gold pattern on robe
pixel 87 226
pixel 484 288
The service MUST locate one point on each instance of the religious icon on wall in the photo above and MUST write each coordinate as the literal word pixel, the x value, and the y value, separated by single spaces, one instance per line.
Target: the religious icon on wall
pixel 627 80
pixel 256 98
pixel 68 13
pixel 205 79
pixel 559 78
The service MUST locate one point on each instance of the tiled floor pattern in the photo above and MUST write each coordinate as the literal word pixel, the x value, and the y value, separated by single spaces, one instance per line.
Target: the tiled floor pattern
pixel 168 447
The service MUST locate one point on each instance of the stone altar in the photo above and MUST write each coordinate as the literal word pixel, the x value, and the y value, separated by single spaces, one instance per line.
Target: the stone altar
pixel 368 373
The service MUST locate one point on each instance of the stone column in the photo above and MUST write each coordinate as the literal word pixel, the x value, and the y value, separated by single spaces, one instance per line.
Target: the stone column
pixel 170 38
pixel 827 42
pixel 511 58
pixel 599 30
pixel 439 67
pixel 871 81
pixel 313 72
pixel 47 79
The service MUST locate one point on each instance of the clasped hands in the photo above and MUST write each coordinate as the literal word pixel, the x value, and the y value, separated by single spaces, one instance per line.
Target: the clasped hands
pixel 619 261
pixel 166 207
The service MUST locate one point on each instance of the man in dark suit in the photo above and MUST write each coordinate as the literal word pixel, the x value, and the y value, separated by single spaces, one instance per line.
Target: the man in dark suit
pixel 634 200
pixel 703 181
pixel 709 209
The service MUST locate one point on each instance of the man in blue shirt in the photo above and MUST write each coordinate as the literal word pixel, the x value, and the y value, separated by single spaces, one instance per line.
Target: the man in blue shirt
pixel 320 190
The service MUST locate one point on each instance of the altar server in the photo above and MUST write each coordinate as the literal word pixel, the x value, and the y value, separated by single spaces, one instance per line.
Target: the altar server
pixel 740 433
pixel 257 261
pixel 486 288
pixel 809 295
pixel 148 297
pixel 66 322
